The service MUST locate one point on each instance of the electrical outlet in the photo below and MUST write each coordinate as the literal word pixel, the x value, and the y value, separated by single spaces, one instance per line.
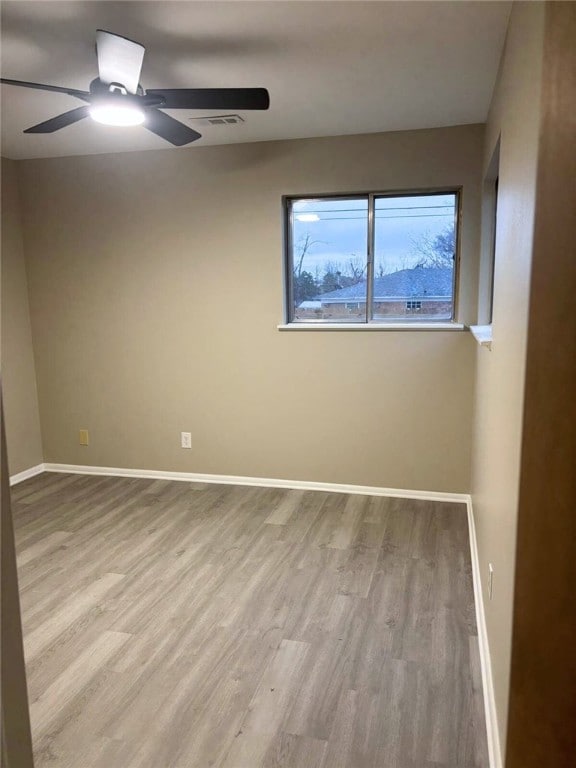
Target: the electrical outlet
pixel 83 437
pixel 186 439
pixel 490 580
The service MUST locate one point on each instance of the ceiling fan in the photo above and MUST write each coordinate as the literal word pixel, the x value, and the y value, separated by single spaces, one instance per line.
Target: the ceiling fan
pixel 116 97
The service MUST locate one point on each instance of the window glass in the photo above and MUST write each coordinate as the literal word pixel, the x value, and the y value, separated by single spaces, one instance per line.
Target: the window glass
pixel 493 252
pixel 414 257
pixel 329 259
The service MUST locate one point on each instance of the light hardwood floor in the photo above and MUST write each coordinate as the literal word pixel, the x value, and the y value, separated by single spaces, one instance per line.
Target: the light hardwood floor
pixel 178 625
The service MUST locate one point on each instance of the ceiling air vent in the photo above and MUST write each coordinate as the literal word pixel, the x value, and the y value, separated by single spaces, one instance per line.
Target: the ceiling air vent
pixel 218 120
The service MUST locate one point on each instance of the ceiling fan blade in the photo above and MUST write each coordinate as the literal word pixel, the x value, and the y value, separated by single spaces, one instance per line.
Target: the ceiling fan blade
pixel 61 121
pixel 84 95
pixel 119 59
pixel 169 129
pixel 212 98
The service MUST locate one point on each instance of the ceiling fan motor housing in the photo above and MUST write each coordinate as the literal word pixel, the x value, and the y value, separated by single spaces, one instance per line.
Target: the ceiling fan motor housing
pixel 117 93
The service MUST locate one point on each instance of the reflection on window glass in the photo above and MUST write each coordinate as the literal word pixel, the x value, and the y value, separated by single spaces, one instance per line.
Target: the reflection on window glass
pixel 329 259
pixel 414 256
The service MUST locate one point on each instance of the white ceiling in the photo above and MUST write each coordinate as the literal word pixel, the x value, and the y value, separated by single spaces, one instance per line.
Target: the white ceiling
pixel 331 68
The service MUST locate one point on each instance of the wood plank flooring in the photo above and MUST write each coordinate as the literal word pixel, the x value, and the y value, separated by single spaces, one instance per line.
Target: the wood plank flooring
pixel 179 625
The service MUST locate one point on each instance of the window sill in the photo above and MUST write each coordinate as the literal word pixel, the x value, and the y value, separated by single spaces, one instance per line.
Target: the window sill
pixel 320 326
pixel 482 334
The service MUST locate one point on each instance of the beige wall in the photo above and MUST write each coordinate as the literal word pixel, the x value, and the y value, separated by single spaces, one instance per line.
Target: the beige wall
pixel 18 374
pixel 515 115
pixel 156 289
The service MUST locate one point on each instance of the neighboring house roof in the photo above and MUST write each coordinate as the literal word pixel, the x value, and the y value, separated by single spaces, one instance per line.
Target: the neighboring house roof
pixel 416 283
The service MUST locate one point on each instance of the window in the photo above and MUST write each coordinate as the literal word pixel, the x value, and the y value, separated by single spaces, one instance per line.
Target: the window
pixel 488 245
pixel 493 252
pixel 372 258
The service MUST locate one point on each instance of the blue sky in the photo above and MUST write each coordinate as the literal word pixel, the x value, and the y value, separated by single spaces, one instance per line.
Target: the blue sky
pixel 340 230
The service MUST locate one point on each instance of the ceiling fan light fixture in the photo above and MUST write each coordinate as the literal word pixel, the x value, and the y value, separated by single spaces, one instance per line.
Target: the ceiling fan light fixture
pixel 117 114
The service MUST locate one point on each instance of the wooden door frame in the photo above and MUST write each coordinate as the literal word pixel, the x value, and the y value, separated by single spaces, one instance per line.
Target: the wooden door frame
pixel 542 709
pixel 16 737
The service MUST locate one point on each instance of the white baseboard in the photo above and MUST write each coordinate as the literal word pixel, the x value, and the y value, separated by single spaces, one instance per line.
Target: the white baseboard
pixel 304 485
pixel 26 474
pixel 365 490
pixel 492 735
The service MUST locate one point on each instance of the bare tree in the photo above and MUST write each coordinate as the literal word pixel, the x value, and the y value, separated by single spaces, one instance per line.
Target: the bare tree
pixel 435 251
pixel 356 268
pixel 305 244
pixel 304 283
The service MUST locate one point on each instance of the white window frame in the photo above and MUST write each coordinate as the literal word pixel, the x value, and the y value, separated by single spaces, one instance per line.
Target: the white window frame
pixel 415 323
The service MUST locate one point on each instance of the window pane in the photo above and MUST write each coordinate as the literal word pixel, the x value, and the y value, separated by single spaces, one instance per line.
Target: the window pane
pixel 414 255
pixel 329 259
